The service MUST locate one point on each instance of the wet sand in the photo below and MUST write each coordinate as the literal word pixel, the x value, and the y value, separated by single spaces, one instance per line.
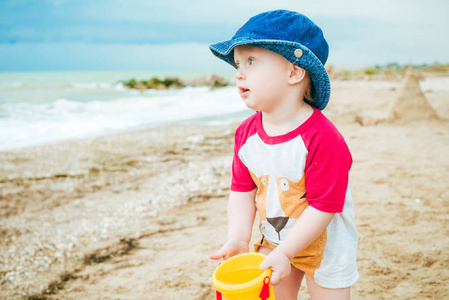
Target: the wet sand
pixel 135 215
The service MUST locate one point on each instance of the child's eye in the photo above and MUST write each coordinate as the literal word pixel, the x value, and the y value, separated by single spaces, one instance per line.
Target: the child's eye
pixel 237 64
pixel 251 61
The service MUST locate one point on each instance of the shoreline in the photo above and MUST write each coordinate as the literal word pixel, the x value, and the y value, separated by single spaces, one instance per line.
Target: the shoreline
pixel 221 120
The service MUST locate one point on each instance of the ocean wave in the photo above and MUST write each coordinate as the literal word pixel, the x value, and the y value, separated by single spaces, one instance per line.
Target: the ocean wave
pixel 25 124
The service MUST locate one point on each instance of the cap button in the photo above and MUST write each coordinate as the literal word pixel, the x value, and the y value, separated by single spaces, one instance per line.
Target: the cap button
pixel 298 53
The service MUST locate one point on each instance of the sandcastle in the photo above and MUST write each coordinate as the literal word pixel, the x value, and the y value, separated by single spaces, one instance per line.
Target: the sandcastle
pixel 411 104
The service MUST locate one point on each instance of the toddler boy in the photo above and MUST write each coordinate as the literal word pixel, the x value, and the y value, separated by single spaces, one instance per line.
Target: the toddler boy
pixel 290 162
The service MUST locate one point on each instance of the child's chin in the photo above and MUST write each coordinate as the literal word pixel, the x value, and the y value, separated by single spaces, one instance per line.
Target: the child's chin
pixel 248 102
pixel 250 106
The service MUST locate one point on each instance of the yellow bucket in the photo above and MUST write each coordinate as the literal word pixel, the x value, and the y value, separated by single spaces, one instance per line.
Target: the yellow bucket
pixel 240 277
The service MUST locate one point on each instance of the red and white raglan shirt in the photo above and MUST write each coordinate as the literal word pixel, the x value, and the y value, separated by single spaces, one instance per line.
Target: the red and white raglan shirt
pixel 307 166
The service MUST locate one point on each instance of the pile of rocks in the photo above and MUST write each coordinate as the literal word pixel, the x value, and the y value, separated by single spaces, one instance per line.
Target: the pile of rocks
pixel 213 81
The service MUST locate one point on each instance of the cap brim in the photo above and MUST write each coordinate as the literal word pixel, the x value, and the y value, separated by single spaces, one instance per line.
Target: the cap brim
pixel 308 61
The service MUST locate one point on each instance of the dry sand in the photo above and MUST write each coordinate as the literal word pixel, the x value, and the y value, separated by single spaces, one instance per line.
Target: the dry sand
pixel 135 215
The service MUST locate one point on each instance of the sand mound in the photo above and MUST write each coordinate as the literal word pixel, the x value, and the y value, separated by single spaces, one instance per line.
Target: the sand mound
pixel 412 105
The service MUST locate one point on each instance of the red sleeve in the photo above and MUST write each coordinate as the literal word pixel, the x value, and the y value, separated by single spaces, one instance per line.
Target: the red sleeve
pixel 241 178
pixel 327 168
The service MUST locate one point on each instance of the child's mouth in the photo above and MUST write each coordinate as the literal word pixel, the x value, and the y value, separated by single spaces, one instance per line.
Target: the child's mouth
pixel 243 92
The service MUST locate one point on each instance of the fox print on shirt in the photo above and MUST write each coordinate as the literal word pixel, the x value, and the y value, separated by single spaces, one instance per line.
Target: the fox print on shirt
pixel 286 202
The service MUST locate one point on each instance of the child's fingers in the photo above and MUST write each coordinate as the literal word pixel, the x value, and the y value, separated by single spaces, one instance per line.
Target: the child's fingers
pixel 278 270
pixel 222 253
pixel 265 264
pixel 228 250
pixel 275 278
pixel 217 255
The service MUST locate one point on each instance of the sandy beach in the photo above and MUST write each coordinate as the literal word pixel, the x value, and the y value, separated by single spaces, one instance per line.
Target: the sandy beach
pixel 135 215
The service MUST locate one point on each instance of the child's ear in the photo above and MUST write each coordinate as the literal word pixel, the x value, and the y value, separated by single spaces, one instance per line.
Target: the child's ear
pixel 296 74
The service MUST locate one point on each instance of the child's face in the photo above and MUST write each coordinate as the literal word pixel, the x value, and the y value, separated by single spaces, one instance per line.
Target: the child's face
pixel 262 77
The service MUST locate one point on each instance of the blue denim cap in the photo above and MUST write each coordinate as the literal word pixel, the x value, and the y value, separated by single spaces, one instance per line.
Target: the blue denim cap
pixel 284 32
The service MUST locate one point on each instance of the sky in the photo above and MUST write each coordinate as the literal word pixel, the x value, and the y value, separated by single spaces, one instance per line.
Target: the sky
pixel 102 35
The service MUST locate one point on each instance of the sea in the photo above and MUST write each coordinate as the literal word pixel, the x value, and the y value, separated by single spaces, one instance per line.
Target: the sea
pixel 43 107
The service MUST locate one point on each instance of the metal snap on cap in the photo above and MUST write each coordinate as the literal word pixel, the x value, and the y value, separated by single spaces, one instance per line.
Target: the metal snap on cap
pixel 298 53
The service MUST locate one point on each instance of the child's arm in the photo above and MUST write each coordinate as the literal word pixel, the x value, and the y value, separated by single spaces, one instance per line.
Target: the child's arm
pixel 307 228
pixel 241 214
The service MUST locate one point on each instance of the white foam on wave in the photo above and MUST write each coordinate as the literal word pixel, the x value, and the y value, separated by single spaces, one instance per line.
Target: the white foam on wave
pixel 24 124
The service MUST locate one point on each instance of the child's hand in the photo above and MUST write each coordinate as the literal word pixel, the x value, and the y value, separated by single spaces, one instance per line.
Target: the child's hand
pixel 229 249
pixel 279 263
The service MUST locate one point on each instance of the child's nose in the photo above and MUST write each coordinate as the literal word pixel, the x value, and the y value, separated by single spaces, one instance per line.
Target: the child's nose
pixel 239 75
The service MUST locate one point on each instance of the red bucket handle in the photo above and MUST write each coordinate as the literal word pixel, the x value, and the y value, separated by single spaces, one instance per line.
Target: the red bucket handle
pixel 265 292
